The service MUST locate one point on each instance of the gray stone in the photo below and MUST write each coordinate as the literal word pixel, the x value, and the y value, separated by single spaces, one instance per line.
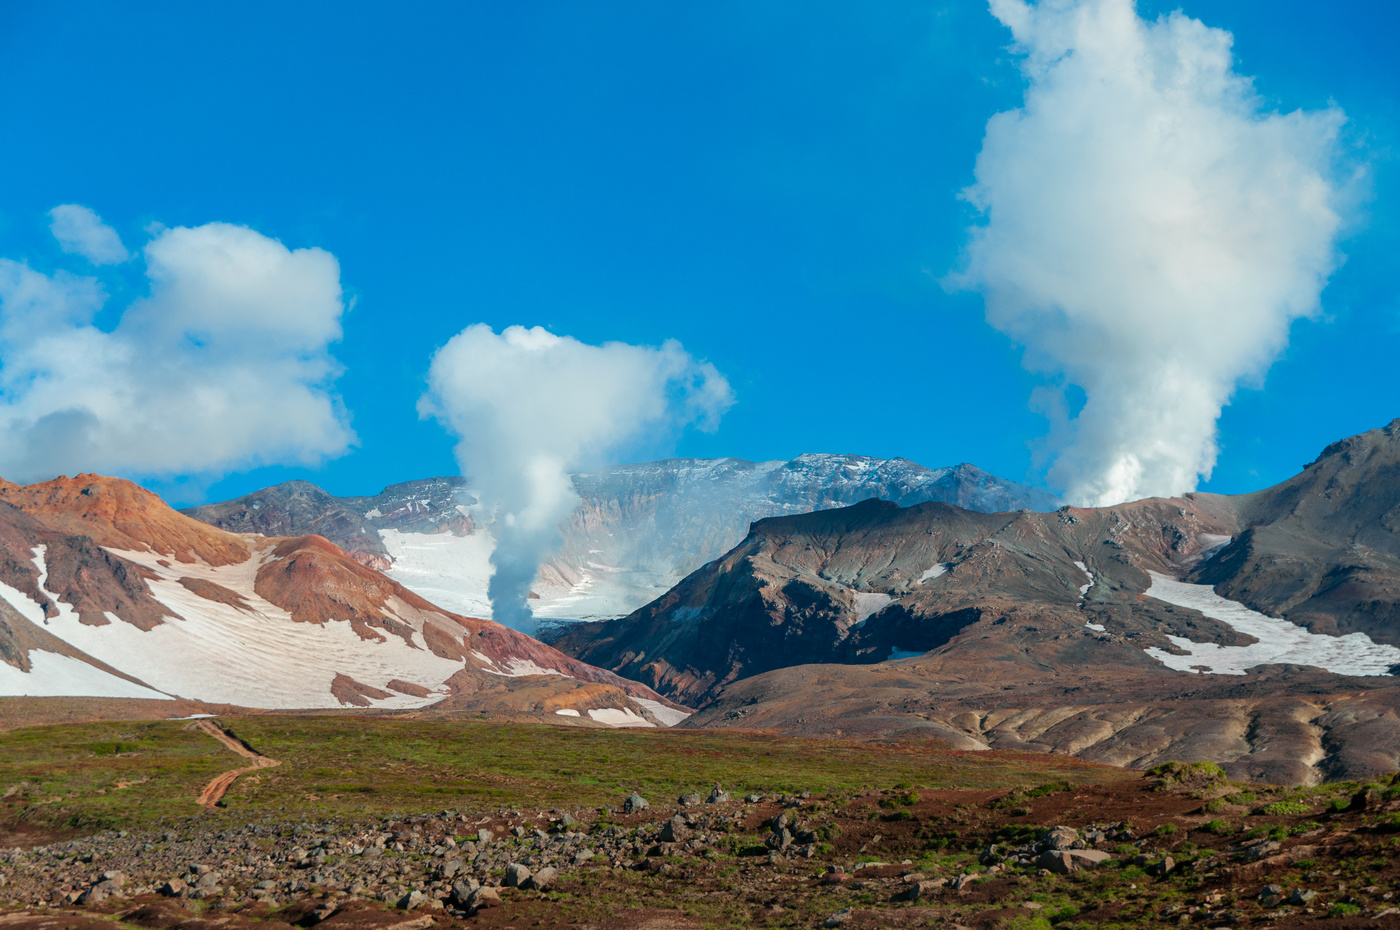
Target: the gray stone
pixel 449 868
pixel 1058 862
pixel 484 835
pixel 1089 858
pixel 516 875
pixel 1059 838
pixel 1271 896
pixel 542 879
pixel 634 803
pixel 484 897
pixel 689 800
pixel 414 899
pixel 675 831
pixel 837 919
pixel 174 888
pixel 1302 896
pixel 462 892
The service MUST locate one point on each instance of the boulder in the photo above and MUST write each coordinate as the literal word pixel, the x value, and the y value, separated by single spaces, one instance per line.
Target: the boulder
pixel 542 879
pixel 516 875
pixel 1057 862
pixel 634 803
pixel 1271 896
pixel 1089 858
pixel 484 897
pixel 689 800
pixel 462 892
pixel 413 900
pixel 174 888
pixel 675 831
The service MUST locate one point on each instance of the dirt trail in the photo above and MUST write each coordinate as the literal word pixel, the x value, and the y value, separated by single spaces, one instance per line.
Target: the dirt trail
pixel 213 792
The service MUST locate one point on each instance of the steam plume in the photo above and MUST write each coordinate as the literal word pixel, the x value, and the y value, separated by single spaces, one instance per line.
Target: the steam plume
pixel 1151 232
pixel 529 406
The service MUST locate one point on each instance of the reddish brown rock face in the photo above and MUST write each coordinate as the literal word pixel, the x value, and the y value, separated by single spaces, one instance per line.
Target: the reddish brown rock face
pixel 121 515
pixel 106 547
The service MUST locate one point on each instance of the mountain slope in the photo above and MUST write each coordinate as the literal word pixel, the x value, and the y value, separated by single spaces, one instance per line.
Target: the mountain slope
pixel 637 531
pixel 1203 626
pixel 98 573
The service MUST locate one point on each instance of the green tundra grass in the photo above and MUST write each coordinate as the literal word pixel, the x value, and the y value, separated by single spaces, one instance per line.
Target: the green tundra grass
pixel 124 775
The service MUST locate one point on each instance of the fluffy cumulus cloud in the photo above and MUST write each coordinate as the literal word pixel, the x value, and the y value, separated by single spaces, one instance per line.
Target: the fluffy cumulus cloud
pixel 528 406
pixel 224 365
pixel 1151 231
pixel 81 231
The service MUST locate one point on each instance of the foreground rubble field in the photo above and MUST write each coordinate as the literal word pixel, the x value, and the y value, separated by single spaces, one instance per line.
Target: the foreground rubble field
pixel 1177 846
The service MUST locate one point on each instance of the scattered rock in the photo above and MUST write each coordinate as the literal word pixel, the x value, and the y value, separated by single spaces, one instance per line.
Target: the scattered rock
pixel 675 831
pixel 542 880
pixel 413 900
pixel 634 803
pixel 516 875
pixel 1271 896
pixel 484 897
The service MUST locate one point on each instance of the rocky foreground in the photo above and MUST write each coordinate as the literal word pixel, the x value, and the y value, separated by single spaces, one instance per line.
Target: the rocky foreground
pixel 1181 846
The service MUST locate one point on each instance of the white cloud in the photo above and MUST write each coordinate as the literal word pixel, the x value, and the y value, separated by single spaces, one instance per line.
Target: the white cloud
pixel 1151 232
pixel 528 406
pixel 81 231
pixel 225 365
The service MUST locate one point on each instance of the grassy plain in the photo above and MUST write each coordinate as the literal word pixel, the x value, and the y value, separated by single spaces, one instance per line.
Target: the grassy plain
pixel 126 775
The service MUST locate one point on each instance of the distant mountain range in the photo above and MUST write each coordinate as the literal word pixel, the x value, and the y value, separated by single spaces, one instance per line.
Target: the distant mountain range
pixel 637 531
pixel 1261 631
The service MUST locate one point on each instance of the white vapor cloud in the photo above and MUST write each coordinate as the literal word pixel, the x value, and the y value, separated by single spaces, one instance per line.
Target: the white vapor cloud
pixel 81 231
pixel 1151 231
pixel 528 406
pixel 224 365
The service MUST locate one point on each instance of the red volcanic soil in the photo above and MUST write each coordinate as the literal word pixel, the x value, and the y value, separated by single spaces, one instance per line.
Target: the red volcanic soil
pixel 122 515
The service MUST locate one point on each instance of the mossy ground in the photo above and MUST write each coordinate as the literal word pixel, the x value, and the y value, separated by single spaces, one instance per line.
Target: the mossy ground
pixel 125 775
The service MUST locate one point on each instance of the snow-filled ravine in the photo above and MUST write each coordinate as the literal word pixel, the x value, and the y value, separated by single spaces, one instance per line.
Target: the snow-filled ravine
pixel 1279 642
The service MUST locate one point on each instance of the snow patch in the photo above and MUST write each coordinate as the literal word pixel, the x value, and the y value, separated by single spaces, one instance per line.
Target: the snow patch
pixel 520 667
pixel 374 514
pixel 1096 627
pixel 54 675
pixel 667 715
pixel 869 604
pixel 567 712
pixel 450 571
pixel 1084 588
pixel 258 657
pixel 932 573
pixel 619 717
pixel 1280 642
pixel 1211 544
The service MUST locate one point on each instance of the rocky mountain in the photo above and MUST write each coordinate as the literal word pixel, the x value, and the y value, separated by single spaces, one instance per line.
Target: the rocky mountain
pixel 105 591
pixel 1257 630
pixel 638 529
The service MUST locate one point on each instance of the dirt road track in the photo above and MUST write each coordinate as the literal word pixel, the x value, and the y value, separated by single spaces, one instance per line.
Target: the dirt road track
pixel 213 792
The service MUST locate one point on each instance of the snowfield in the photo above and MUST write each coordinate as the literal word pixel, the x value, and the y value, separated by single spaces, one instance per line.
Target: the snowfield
pixel 450 571
pixel 258 657
pixel 1280 642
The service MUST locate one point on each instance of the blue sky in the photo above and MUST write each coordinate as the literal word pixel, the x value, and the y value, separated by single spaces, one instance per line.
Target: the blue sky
pixel 774 185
